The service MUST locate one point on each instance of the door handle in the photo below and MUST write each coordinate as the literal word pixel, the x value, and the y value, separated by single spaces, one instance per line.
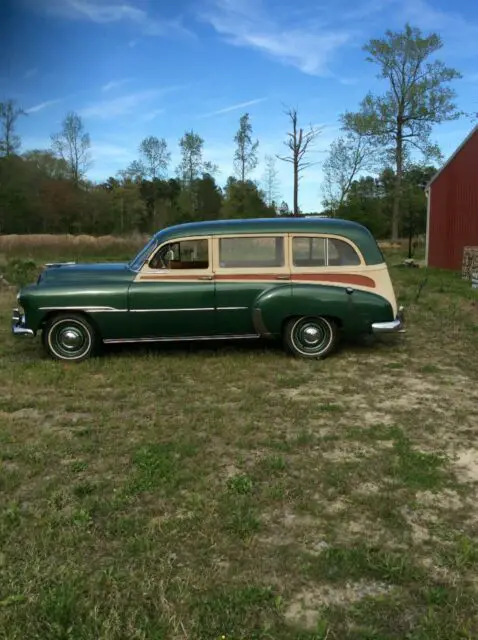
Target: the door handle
pixel 205 277
pixel 283 277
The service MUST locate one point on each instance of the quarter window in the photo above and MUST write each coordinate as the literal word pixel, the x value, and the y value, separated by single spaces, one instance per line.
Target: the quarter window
pixel 253 252
pixel 186 254
pixel 323 252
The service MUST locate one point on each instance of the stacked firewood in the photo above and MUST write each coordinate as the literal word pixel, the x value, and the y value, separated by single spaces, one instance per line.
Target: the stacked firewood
pixel 469 269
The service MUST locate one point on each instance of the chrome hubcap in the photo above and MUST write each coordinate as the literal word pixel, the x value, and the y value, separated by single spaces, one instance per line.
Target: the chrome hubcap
pixel 310 336
pixel 70 339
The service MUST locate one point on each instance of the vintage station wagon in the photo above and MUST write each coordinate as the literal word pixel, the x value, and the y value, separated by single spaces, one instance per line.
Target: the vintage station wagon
pixel 305 280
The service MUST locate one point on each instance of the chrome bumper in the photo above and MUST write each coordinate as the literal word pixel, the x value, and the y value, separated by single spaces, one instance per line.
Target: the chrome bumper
pixel 394 326
pixel 18 325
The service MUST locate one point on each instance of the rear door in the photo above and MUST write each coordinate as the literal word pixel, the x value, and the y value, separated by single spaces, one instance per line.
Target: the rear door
pixel 245 267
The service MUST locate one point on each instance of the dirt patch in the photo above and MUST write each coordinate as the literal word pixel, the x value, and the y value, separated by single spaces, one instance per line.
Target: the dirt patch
pixel 304 608
pixel 467 465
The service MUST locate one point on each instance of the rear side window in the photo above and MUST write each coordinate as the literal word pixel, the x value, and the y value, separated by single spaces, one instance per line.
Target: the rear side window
pixel 323 252
pixel 254 252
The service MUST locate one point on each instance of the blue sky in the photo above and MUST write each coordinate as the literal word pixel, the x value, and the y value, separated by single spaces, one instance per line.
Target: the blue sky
pixel 133 68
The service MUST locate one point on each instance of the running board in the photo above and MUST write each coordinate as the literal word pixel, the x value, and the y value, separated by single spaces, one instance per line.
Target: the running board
pixel 251 336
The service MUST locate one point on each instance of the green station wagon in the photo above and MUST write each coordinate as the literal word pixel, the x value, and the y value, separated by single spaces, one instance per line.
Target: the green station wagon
pixel 305 280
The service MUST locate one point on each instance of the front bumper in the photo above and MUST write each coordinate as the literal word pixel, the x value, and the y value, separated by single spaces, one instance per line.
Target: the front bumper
pixel 18 325
pixel 394 326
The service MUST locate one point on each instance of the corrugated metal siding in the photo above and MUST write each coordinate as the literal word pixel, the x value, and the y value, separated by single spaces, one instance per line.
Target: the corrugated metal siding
pixel 454 209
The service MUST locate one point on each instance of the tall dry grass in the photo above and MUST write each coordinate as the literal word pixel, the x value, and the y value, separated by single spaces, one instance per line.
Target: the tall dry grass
pixel 72 247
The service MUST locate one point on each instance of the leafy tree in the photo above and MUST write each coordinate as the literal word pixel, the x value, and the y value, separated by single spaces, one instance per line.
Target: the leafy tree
pixel 270 180
pixel 192 163
pixel 245 156
pixel 47 163
pixel 9 140
pixel 72 144
pixel 298 142
pixel 244 200
pixel 284 209
pixel 155 158
pixel 348 156
pixel 418 96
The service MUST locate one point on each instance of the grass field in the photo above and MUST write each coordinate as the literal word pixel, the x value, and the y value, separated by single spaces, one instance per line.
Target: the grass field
pixel 233 491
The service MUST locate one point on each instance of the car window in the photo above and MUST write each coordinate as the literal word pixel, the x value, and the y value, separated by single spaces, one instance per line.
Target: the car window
pixel 186 254
pixel 341 253
pixel 322 252
pixel 253 252
pixel 309 252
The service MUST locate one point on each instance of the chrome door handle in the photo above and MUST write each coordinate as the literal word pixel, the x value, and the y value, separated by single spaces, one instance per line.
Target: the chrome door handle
pixel 283 277
pixel 205 277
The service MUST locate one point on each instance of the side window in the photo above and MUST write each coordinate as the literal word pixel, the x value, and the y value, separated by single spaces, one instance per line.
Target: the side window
pixel 323 252
pixel 243 252
pixel 309 252
pixel 341 253
pixel 185 254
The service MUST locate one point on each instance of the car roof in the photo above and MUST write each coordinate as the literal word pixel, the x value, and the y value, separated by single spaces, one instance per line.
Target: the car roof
pixel 356 232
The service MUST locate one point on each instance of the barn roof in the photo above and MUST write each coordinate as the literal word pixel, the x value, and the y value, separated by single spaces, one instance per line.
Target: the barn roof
pixel 453 155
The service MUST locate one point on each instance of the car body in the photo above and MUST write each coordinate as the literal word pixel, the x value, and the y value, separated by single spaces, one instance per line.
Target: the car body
pixel 307 280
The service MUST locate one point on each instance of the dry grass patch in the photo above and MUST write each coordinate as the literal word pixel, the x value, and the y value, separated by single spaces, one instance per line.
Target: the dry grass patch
pixel 194 492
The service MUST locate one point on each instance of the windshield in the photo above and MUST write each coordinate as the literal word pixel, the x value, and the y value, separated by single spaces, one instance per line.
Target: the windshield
pixel 138 261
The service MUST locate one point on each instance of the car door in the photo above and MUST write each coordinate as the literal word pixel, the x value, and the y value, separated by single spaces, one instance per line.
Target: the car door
pixel 245 267
pixel 172 296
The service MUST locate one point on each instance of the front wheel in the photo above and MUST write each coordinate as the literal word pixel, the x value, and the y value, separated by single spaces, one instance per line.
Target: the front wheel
pixel 310 337
pixel 69 337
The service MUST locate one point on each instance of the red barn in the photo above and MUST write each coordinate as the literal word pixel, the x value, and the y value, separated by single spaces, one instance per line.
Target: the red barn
pixel 452 217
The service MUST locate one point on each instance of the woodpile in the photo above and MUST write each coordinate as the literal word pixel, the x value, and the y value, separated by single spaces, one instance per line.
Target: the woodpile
pixel 470 263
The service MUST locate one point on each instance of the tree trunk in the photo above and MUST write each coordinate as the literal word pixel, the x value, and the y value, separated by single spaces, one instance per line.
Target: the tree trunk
pixel 296 187
pixel 398 184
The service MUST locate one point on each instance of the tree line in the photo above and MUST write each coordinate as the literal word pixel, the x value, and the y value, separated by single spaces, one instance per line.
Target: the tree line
pixel 373 173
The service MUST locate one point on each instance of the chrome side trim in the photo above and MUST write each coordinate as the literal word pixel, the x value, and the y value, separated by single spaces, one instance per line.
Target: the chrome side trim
pixel 166 310
pixel 58 264
pixel 231 308
pixel 89 309
pixel 251 336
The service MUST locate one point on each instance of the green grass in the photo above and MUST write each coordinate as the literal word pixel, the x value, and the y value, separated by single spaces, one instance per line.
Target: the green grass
pixel 205 491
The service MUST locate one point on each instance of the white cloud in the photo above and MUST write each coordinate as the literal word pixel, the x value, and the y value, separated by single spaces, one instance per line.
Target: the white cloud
pixel 127 104
pixel 117 106
pixel 151 115
pixel 114 84
pixel 30 73
pixel 234 107
pixel 106 151
pixel 42 105
pixel 307 46
pixel 104 13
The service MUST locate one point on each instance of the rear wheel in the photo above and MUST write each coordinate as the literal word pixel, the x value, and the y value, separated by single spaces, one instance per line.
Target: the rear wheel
pixel 69 337
pixel 310 337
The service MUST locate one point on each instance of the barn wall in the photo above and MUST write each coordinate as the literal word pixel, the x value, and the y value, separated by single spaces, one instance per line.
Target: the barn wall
pixel 453 220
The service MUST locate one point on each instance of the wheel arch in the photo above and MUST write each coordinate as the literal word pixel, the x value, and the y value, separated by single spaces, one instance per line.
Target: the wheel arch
pixel 51 313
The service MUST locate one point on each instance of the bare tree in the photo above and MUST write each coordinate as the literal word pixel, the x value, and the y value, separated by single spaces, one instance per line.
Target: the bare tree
pixel 9 141
pixel 347 157
pixel 299 143
pixel 72 144
pixel 270 180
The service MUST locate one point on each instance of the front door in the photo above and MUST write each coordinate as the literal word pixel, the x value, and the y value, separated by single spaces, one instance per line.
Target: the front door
pixel 173 294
